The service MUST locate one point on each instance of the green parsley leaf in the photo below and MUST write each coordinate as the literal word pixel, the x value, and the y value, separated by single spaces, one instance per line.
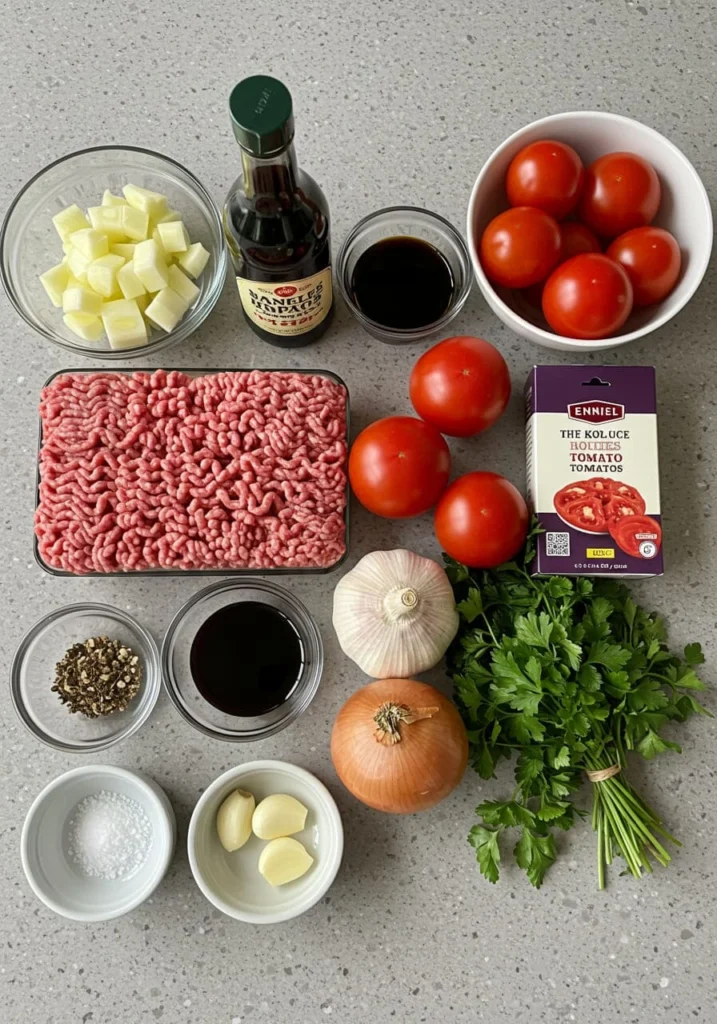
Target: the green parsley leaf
pixel 472 606
pixel 694 655
pixel 485 843
pixel 534 630
pixel 612 656
pixel 534 854
pixel 651 744
pixel 562 758
pixel 505 814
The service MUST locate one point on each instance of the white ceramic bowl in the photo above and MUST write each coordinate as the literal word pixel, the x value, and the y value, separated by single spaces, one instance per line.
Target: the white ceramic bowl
pixel 57 880
pixel 684 211
pixel 231 881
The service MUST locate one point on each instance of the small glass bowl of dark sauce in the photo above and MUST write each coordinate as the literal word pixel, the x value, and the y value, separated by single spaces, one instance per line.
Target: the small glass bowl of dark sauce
pixel 404 273
pixel 242 659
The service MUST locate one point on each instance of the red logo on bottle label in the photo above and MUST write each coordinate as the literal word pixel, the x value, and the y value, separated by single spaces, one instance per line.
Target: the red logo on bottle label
pixel 285 291
pixel 596 412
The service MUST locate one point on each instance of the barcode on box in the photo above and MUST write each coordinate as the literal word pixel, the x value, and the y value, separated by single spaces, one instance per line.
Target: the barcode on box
pixel 557 544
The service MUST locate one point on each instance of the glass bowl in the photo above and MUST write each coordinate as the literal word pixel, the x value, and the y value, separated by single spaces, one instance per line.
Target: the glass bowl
pixel 33 673
pixel 177 674
pixel 405 222
pixel 29 243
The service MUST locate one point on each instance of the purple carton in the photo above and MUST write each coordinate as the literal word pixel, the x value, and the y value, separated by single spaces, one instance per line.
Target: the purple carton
pixel 593 473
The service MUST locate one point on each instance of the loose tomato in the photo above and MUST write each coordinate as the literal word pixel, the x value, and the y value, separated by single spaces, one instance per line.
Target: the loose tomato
pixel 567 495
pixel 652 260
pixel 520 247
pixel 639 536
pixel 585 514
pixel 622 191
pixel 399 466
pixel 481 520
pixel 576 238
pixel 588 297
pixel 618 508
pixel 461 386
pixel 548 175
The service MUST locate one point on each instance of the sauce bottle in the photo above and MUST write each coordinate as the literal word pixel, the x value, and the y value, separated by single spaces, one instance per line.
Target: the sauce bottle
pixel 276 221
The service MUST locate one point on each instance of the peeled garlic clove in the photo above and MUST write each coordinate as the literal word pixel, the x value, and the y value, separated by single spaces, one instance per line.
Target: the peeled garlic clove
pixel 278 815
pixel 283 860
pixel 234 819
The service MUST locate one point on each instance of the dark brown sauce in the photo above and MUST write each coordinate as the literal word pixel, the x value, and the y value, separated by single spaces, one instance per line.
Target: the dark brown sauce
pixel 403 283
pixel 246 659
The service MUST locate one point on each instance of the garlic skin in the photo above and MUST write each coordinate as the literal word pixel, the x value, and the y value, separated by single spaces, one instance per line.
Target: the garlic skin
pixel 395 614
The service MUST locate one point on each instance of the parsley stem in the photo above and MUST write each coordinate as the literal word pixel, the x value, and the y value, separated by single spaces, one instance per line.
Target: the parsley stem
pixel 597 814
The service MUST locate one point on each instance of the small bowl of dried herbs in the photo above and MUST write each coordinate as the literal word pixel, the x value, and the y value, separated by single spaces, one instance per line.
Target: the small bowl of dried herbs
pixel 84 677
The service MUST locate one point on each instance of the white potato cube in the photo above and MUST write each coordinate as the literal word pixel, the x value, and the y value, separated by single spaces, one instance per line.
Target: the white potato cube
pixel 90 243
pixel 78 265
pixel 130 285
pixel 194 260
pixel 54 281
pixel 149 266
pixel 170 215
pixel 108 221
pixel 142 302
pixel 124 324
pixel 174 236
pixel 160 248
pixel 152 203
pixel 124 249
pixel 81 300
pixel 180 283
pixel 69 220
pixel 108 199
pixel 166 309
pixel 87 327
pixel 66 248
pixel 135 223
pixel 102 275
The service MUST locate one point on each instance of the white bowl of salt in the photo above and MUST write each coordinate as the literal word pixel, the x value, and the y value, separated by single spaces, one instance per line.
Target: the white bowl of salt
pixel 97 841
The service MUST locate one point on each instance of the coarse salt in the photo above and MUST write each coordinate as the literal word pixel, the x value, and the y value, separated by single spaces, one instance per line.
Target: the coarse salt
pixel 109 835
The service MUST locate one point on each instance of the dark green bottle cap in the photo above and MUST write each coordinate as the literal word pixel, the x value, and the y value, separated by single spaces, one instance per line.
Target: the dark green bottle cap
pixel 262 116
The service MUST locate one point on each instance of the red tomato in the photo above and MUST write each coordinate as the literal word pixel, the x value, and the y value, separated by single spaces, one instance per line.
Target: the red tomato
pixel 585 514
pixel 618 508
pixel 520 247
pixel 576 238
pixel 461 386
pixel 548 175
pixel 651 258
pixel 481 520
pixel 639 536
pixel 399 466
pixel 622 191
pixel 588 297
pixel 567 495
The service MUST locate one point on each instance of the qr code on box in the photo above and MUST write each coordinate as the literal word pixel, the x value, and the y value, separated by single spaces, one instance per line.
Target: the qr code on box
pixel 557 544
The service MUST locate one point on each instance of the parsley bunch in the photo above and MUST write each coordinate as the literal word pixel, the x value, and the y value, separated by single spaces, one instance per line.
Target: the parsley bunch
pixel 569 674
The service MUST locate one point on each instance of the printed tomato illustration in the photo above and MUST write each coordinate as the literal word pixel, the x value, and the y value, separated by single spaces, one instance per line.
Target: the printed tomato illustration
pixel 618 508
pixel 597 502
pixel 567 495
pixel 585 514
pixel 637 535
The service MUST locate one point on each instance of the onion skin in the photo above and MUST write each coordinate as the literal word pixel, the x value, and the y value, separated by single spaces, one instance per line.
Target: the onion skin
pixel 413 774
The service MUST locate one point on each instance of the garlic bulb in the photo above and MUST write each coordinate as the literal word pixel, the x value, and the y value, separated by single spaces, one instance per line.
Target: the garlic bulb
pixel 394 614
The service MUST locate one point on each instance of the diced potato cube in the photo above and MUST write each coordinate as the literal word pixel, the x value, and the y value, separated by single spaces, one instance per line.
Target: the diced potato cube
pixel 90 243
pixel 124 324
pixel 166 309
pixel 81 300
pixel 54 281
pixel 108 199
pixel 149 266
pixel 78 265
pixel 194 260
pixel 174 236
pixel 130 284
pixel 170 215
pixel 66 248
pixel 142 302
pixel 87 327
pixel 69 220
pixel 152 203
pixel 162 251
pixel 124 249
pixel 180 283
pixel 135 223
pixel 108 221
pixel 102 274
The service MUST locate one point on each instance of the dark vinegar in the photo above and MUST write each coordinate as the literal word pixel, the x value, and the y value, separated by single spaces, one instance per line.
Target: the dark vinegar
pixel 246 659
pixel 403 283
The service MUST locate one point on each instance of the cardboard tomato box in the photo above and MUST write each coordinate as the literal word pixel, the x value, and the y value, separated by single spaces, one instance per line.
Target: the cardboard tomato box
pixel 593 472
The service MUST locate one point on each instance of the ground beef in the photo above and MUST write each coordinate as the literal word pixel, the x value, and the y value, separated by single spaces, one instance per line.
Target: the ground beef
pixel 161 470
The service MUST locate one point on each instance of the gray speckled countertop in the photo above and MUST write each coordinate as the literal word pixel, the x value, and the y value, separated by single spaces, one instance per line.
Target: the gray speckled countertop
pixel 395 103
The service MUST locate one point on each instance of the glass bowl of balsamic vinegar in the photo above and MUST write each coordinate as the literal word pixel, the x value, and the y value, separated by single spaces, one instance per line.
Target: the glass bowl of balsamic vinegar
pixel 404 273
pixel 242 659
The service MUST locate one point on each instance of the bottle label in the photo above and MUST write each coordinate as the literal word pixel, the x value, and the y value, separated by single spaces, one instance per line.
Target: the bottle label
pixel 290 308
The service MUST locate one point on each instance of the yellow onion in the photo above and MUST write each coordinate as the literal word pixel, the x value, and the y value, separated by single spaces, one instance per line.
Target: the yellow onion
pixel 399 745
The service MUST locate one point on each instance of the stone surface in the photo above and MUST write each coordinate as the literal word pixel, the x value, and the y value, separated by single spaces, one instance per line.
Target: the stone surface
pixel 395 103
